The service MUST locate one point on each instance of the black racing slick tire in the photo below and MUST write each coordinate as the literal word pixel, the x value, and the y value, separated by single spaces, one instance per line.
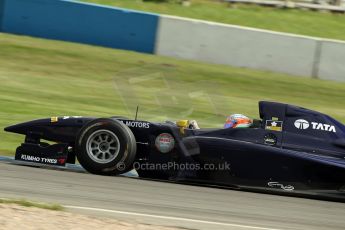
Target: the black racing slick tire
pixel 106 146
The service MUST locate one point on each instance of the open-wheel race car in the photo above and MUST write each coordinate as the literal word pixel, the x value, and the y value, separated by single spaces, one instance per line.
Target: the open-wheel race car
pixel 289 150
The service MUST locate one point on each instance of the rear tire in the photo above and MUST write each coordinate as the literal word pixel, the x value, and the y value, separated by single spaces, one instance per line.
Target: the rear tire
pixel 106 147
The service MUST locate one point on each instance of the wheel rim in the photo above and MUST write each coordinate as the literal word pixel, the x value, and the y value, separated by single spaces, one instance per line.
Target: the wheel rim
pixel 103 146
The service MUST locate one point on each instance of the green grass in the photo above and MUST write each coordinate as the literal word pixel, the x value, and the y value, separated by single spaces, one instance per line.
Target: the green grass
pixel 43 78
pixel 319 24
pixel 25 203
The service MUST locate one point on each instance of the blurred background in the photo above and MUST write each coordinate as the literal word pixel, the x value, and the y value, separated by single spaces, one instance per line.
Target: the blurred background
pixel 105 57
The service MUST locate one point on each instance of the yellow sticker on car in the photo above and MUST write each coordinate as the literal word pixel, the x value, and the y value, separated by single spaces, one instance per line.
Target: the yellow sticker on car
pixel 274 125
pixel 54 119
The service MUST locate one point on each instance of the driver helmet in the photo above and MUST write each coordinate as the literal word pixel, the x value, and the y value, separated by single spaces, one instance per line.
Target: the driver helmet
pixel 238 121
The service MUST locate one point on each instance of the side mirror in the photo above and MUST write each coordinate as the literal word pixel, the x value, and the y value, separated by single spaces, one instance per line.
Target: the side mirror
pixel 257 123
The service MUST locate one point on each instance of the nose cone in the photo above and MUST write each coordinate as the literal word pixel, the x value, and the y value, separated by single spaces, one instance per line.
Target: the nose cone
pixel 12 128
pixel 21 128
pixel 24 128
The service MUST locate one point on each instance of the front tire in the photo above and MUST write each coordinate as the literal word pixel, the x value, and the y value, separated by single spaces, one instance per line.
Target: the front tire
pixel 106 147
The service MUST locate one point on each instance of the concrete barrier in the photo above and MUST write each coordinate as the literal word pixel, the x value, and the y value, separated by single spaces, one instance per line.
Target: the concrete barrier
pixel 2 2
pixel 236 46
pixel 174 36
pixel 81 22
pixel 332 61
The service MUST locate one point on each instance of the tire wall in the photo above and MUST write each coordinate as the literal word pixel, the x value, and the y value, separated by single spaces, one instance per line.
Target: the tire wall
pixel 82 23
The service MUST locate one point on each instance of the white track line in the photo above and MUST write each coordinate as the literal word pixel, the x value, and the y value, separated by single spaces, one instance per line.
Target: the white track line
pixel 169 218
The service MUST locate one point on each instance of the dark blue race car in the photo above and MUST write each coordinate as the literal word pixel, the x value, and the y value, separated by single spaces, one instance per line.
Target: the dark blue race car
pixel 289 150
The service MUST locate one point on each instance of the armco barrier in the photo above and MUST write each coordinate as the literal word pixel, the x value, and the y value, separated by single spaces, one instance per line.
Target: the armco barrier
pixel 81 22
pixel 236 46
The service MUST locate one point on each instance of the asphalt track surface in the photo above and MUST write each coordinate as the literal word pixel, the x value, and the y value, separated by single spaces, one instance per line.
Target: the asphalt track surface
pixel 167 204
